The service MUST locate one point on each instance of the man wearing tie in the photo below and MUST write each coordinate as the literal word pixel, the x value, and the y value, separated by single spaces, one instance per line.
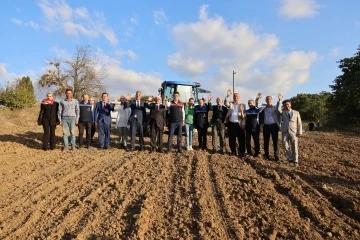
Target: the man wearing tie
pixel 218 124
pixel 291 129
pixel 93 128
pixel 103 120
pixel 157 123
pixel 136 119
pixel 235 119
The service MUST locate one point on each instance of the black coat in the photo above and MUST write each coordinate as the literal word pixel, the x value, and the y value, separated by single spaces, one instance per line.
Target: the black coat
pixel 218 114
pixel 140 112
pixel 49 112
pixel 157 117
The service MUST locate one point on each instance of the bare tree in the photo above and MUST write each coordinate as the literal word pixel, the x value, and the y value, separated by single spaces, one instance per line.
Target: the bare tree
pixel 80 73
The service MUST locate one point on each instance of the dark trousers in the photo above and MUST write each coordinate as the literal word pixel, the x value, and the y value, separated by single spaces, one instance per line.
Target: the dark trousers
pixel 202 132
pixel 87 127
pixel 104 134
pixel 235 132
pixel 218 129
pixel 156 136
pixel 256 138
pixel 49 135
pixel 136 126
pixel 173 126
pixel 93 130
pixel 273 131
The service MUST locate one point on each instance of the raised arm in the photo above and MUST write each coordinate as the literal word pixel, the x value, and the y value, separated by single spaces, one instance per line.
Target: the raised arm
pixel 226 101
pixel 278 105
pixel 258 96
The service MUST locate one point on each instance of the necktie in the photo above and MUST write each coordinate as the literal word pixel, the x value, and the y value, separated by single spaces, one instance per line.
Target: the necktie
pixel 137 104
pixel 157 107
pixel 104 105
pixel 289 116
pixel 219 107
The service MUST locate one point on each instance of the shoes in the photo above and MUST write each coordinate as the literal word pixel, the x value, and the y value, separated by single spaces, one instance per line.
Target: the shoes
pixel 179 150
pixel 141 149
pixel 160 150
pixel 277 158
pixel 296 164
pixel 106 147
pixel 131 149
pixel 256 154
pixel 214 150
pixel 242 155
pixel 151 150
pixel 222 151
pixel 188 148
pixel 191 148
pixel 267 157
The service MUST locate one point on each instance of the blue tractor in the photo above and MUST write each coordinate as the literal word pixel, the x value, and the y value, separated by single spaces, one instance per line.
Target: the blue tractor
pixel 186 90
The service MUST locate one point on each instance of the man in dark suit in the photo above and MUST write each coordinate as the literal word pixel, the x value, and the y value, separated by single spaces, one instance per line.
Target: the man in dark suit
pixel 85 121
pixel 218 123
pixel 103 120
pixel 136 119
pixel 157 123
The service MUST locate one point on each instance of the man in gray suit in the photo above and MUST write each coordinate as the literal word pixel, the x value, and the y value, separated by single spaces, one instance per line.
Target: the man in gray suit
pixel 291 129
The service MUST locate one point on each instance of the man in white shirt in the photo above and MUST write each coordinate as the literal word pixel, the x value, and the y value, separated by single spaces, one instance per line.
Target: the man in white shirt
pixel 235 121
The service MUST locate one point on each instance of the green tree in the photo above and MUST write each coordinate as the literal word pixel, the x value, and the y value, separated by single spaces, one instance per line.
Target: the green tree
pixel 20 94
pixel 345 98
pixel 80 72
pixel 312 107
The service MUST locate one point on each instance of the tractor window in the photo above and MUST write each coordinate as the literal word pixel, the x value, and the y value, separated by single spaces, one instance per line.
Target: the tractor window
pixel 186 92
pixel 168 91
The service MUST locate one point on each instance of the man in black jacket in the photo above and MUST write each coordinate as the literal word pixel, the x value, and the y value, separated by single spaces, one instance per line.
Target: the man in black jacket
pixel 201 122
pixel 85 121
pixel 136 119
pixel 157 123
pixel 252 127
pixel 217 122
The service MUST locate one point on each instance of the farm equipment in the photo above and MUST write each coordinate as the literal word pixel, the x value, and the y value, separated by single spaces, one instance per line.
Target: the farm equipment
pixel 186 90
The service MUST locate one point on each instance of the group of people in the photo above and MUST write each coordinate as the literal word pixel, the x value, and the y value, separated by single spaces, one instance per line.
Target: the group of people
pixel 232 117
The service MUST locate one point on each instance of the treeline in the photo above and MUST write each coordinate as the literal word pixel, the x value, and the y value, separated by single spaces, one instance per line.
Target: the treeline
pixel 19 94
pixel 339 108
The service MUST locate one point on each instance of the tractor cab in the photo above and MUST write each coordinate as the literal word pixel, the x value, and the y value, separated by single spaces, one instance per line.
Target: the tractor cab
pixel 186 90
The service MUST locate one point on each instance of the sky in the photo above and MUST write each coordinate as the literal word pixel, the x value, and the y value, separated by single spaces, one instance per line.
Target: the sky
pixel 274 46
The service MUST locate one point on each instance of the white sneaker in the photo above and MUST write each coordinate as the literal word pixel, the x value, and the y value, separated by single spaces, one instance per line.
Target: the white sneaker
pixel 187 148
pixel 191 148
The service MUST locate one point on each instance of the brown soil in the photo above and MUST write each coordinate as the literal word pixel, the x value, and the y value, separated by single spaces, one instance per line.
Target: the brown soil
pixel 114 194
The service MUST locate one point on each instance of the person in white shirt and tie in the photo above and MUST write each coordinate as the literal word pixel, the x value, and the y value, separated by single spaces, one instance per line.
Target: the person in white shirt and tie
pixel 136 119
pixel 291 129
pixel 235 120
pixel 93 128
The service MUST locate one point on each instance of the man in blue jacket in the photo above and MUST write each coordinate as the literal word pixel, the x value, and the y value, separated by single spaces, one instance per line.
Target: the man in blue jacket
pixel 201 121
pixel 252 127
pixel 85 121
pixel 103 120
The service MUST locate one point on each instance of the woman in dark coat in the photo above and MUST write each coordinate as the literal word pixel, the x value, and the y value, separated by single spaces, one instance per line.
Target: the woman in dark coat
pixel 48 119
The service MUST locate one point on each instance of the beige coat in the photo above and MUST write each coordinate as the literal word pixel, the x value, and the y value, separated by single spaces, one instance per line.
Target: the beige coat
pixel 293 126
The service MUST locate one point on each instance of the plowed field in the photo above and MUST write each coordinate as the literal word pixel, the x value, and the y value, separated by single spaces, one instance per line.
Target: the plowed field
pixel 114 194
